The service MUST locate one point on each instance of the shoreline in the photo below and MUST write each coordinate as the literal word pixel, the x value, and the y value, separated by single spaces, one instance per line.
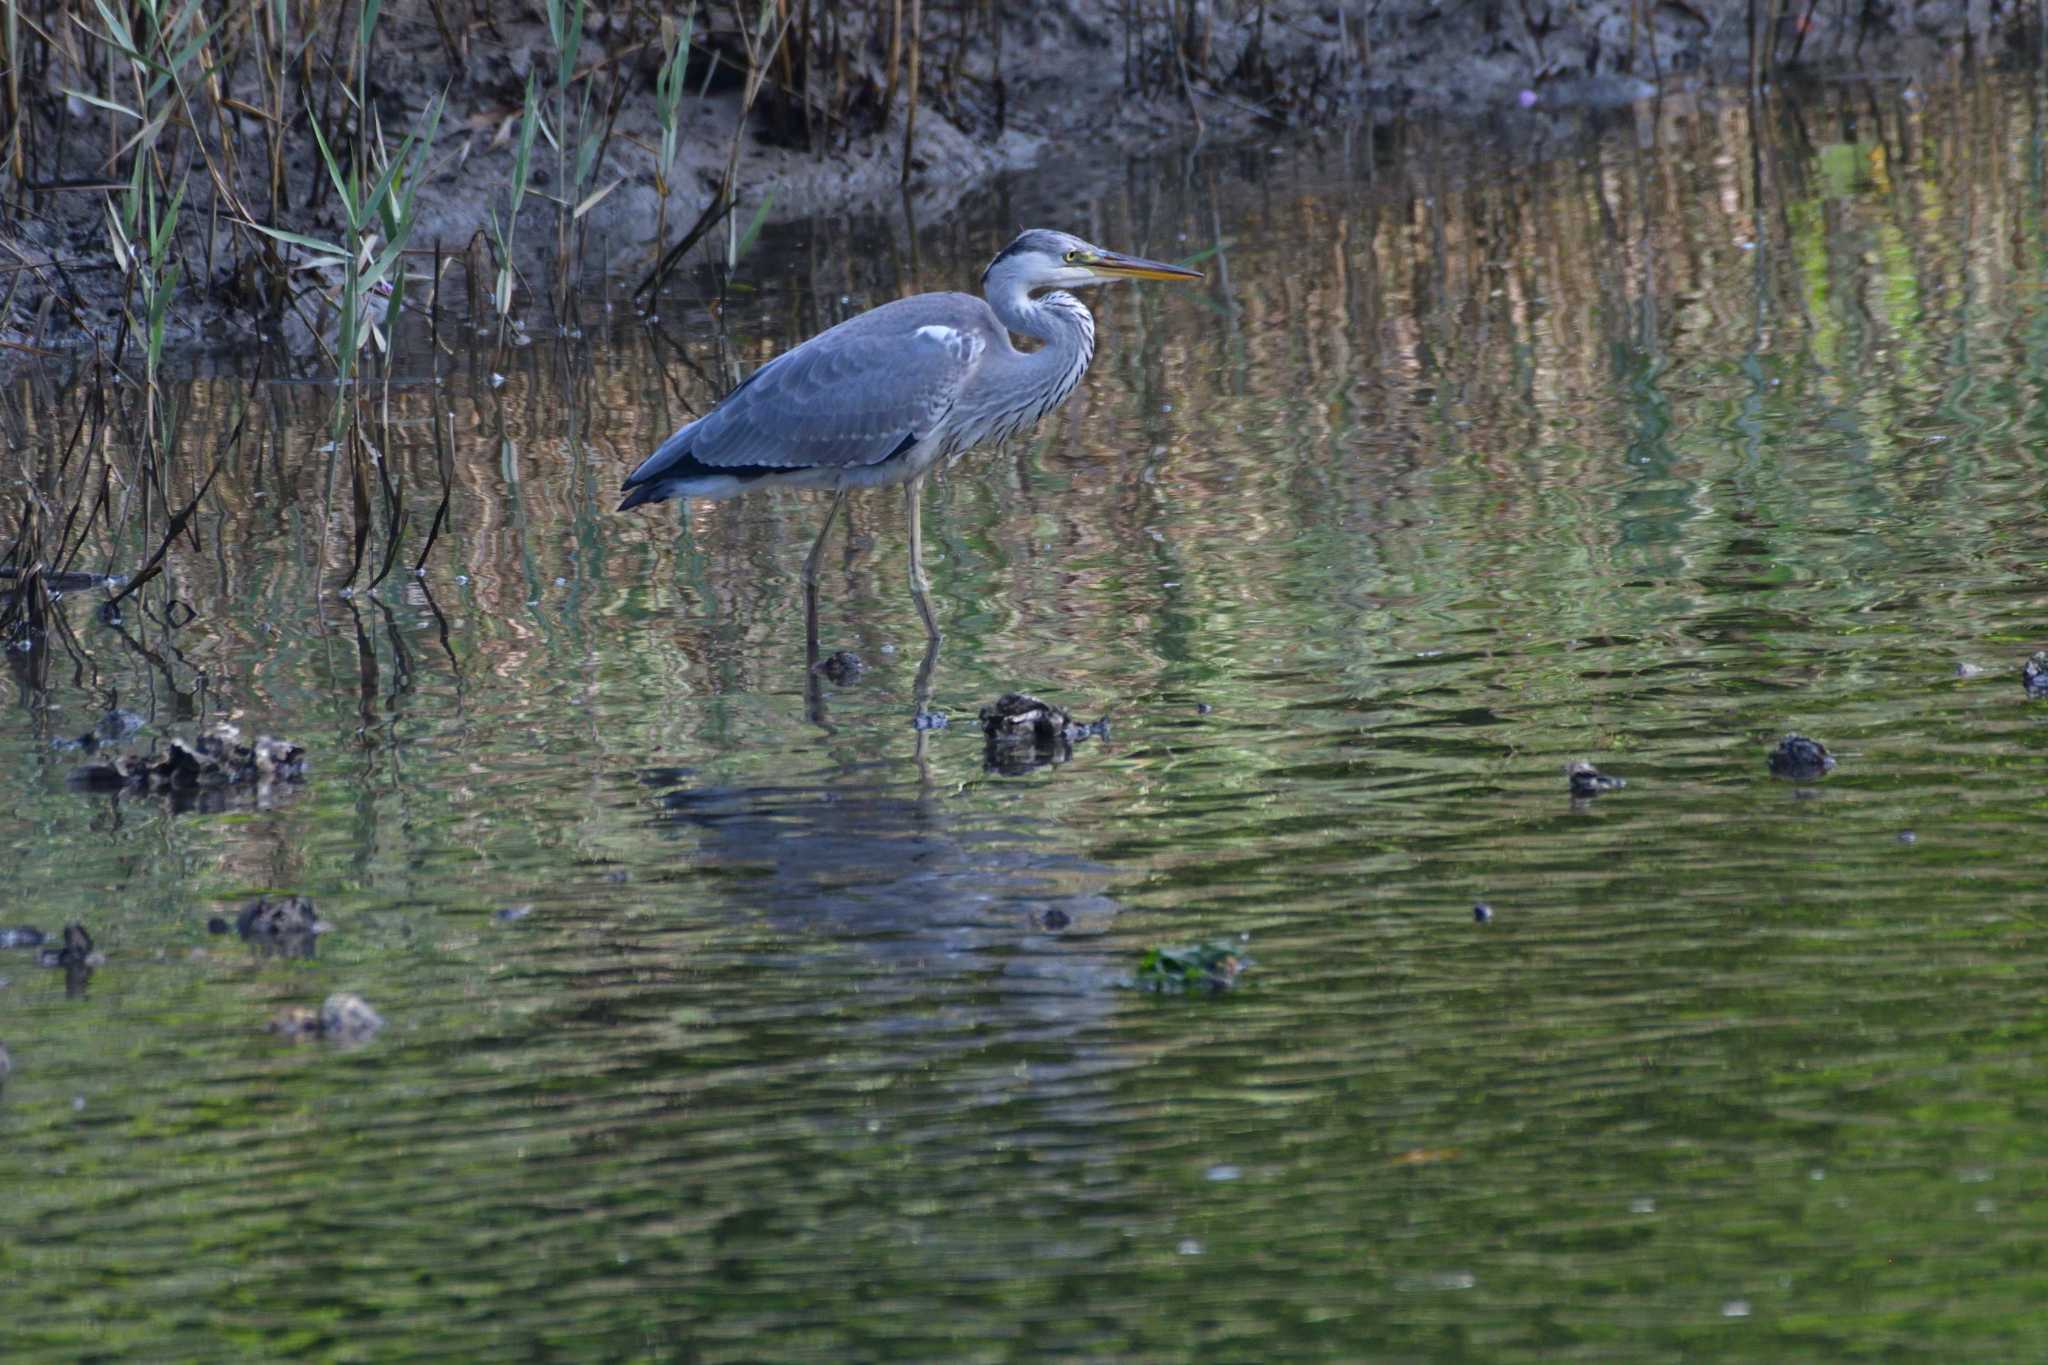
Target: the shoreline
pixel 1070 74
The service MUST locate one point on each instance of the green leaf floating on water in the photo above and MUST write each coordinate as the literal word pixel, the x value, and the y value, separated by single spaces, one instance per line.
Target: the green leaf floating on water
pixel 1206 967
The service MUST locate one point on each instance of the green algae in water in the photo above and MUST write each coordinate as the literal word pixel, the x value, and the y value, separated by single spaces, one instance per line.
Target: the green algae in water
pixel 1204 968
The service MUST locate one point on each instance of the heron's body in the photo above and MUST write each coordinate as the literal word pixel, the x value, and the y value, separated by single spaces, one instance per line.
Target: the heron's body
pixel 882 397
pixel 817 417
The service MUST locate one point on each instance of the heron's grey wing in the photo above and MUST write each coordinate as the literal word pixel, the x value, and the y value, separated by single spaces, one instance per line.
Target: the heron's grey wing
pixel 851 396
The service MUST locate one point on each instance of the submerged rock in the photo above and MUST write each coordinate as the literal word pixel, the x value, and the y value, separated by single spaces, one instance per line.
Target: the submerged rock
pixel 2034 676
pixel 282 925
pixel 1588 781
pixel 296 1022
pixel 21 936
pixel 1023 733
pixel 342 1018
pixel 215 758
pixel 1800 759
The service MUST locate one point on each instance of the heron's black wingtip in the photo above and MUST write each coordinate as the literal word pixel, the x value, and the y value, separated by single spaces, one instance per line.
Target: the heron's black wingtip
pixel 644 493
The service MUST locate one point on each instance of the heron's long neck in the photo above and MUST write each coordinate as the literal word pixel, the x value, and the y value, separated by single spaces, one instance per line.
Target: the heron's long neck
pixel 1067 328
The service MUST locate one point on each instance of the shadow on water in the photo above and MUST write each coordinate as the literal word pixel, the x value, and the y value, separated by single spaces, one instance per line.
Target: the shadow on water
pixel 735 1009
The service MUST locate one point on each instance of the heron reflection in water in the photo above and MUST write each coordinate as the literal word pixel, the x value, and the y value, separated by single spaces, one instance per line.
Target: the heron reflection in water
pixel 883 397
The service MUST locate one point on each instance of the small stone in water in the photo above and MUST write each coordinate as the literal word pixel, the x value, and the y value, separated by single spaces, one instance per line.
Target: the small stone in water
pixel 1482 913
pixel 1907 836
pixel 1588 781
pixel 1056 918
pixel 511 914
pixel 1203 708
pixel 840 668
pixel 21 937
pixel 1968 670
pixel 348 1018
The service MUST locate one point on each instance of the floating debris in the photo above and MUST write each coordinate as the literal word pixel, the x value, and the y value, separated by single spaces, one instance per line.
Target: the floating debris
pixel 2034 676
pixel 1425 1156
pixel 284 926
pixel 76 956
pixel 77 950
pixel 1969 670
pixel 111 728
pixel 1588 781
pixel 1800 759
pixel 216 758
pixel 1024 733
pixel 279 917
pixel 1210 967
pixel 512 914
pixel 1203 708
pixel 342 1018
pixel 841 668
pixel 930 720
pixel 296 1022
pixel 1482 913
pixel 21 936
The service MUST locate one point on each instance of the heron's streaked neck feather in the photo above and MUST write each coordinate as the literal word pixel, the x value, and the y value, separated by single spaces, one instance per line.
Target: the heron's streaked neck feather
pixel 1066 327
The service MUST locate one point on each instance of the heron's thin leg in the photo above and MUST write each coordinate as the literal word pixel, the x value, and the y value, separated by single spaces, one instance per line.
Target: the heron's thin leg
pixel 926 719
pixel 919 585
pixel 818 545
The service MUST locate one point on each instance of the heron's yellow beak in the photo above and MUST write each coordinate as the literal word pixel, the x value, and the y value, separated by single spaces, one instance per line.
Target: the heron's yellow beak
pixel 1135 267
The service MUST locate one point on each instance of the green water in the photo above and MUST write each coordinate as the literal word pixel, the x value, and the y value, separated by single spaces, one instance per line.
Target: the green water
pixel 1467 462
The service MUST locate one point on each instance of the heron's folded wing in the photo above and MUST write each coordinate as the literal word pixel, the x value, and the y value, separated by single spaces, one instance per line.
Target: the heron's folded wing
pixel 848 397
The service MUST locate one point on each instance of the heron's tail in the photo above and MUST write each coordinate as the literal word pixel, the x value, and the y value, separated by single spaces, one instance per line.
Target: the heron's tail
pixel 644 493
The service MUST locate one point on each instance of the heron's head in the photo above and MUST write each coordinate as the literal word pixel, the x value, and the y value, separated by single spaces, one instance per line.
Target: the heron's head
pixel 1041 258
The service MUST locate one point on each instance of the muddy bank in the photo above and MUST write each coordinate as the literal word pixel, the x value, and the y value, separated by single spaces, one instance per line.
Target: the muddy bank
pixel 810 114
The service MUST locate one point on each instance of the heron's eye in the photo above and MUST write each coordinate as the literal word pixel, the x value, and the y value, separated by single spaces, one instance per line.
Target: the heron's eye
pixel 1073 256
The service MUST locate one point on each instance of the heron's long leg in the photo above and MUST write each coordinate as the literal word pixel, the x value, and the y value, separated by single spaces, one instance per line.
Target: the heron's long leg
pixel 912 502
pixel 813 694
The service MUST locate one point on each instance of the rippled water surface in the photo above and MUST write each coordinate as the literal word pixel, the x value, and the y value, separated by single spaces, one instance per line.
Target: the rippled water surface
pixel 813 1039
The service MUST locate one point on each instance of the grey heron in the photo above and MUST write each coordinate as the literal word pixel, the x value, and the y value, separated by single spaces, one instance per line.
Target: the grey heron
pixel 884 396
